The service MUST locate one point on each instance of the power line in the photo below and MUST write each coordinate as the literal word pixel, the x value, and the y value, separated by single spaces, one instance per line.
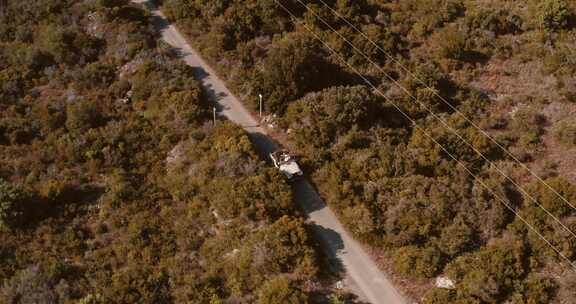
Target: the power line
pixel 431 138
pixel 447 103
pixel 443 122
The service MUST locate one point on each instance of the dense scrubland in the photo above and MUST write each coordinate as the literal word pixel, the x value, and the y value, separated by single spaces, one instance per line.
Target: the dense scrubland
pixel 451 65
pixel 115 186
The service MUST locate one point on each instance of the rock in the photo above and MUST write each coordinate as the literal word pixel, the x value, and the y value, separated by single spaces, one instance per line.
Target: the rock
pixel 444 282
pixel 71 96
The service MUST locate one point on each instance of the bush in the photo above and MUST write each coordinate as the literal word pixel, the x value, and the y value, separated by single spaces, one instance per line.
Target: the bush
pixel 440 296
pixel 499 21
pixel 281 291
pixel 528 125
pixel 92 299
pixel 420 262
pixel 318 119
pixel 548 199
pixel 428 15
pixel 537 290
pixel 37 284
pixel 566 134
pixel 492 272
pixel 555 14
pixel 454 44
pixel 456 238
pixel 81 116
pixel 10 197
pixel 294 67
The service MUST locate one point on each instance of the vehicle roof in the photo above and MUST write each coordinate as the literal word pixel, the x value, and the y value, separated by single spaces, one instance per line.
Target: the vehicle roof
pixel 291 167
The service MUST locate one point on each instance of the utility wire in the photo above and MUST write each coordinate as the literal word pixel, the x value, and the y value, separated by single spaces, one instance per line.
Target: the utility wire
pixel 369 83
pixel 443 122
pixel 414 76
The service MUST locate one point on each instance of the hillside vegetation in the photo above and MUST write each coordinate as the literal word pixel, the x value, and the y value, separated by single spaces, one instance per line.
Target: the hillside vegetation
pixel 442 68
pixel 115 187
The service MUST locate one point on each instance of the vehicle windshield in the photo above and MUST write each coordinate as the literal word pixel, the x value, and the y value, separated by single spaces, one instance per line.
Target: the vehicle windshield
pixel 283 158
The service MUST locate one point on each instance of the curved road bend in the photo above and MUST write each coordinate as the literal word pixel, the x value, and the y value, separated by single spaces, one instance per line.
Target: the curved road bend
pixel 362 275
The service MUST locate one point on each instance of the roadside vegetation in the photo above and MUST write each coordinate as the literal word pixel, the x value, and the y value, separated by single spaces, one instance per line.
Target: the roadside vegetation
pixel 506 65
pixel 115 186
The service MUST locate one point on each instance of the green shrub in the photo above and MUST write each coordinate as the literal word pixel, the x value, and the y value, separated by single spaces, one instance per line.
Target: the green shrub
pixel 550 200
pixel 456 237
pixel 30 285
pixel 294 67
pixel 440 296
pixel 500 21
pixel 528 125
pixel 555 14
pixel 419 262
pixel 427 16
pixel 281 291
pixel 566 134
pixel 537 290
pixel 490 273
pixel 454 44
pixel 10 197
pixel 81 116
pixel 92 299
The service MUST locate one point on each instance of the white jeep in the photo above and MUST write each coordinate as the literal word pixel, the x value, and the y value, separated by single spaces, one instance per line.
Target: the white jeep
pixel 286 164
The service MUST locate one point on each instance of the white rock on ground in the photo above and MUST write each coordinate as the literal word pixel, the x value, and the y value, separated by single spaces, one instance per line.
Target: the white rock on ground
pixel 444 282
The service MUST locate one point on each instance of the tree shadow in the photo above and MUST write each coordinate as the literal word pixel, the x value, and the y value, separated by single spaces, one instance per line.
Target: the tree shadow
pixel 158 22
pixel 71 200
pixel 472 56
pixel 178 52
pixel 307 196
pixel 214 96
pixel 331 244
pixel 265 144
pixel 199 73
